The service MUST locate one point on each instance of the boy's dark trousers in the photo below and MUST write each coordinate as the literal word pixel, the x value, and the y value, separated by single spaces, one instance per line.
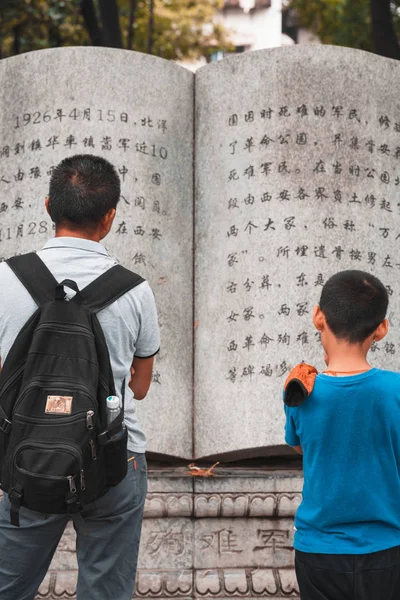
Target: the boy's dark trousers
pixel 373 576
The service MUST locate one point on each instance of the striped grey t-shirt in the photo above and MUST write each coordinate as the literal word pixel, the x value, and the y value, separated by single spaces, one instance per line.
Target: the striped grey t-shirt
pixel 129 324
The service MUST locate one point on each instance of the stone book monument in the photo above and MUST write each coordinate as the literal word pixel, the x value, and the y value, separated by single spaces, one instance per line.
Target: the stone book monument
pixel 244 187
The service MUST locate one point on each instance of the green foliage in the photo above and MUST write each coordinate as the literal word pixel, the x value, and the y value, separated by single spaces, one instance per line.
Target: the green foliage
pixel 37 24
pixel 341 22
pixel 182 28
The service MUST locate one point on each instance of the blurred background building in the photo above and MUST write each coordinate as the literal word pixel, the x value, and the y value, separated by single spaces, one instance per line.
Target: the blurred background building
pixel 256 25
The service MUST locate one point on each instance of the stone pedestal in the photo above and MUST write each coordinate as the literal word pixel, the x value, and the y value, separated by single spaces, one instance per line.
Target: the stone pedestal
pixel 217 537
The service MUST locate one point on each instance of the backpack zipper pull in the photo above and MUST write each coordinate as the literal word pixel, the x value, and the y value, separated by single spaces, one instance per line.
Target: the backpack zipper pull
pixel 93 449
pixel 89 419
pixel 83 487
pixel 72 485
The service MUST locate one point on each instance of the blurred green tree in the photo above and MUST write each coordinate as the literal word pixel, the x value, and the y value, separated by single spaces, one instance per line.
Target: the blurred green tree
pixel 172 29
pixel 372 25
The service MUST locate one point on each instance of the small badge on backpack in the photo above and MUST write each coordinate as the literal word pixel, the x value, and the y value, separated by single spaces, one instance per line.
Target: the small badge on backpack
pixel 59 405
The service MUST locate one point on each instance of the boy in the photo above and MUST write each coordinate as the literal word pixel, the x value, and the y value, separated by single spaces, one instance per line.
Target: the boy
pixel 347 528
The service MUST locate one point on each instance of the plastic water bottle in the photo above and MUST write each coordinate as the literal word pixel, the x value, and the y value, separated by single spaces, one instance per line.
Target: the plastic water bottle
pixel 113 410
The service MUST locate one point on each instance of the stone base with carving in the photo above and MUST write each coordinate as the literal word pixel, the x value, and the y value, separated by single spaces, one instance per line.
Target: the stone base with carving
pixel 228 536
pixel 185 585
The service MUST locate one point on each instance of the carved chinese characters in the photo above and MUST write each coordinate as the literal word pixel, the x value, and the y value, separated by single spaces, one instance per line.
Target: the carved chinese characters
pixel 136 112
pixel 297 175
pixel 306 183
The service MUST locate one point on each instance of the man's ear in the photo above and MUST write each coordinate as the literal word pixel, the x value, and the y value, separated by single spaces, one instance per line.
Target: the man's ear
pixel 107 221
pixel 318 318
pixel 381 331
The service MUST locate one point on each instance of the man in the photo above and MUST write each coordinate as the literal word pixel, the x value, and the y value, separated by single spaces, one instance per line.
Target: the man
pixel 84 193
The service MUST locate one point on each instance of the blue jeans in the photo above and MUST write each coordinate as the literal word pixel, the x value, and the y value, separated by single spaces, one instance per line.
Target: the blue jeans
pixel 107 543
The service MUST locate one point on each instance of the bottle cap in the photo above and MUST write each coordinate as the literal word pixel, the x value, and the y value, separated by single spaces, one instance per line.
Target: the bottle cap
pixel 112 402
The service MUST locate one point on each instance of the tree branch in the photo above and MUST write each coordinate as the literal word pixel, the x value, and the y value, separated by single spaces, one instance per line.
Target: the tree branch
pixel 16 40
pixel 111 26
pixel 150 37
pixel 91 23
pixel 54 36
pixel 131 33
pixel 384 36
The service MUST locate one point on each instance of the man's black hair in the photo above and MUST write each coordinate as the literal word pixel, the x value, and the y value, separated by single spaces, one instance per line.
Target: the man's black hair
pixel 83 188
pixel 354 304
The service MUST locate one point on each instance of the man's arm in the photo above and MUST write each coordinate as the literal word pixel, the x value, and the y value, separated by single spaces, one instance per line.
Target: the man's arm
pixel 147 343
pixel 298 449
pixel 141 374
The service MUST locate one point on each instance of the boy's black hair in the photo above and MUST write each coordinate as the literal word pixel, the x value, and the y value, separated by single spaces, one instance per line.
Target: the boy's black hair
pixel 83 188
pixel 354 304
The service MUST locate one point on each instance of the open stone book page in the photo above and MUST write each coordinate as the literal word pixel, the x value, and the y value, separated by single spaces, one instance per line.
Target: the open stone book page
pixel 137 112
pixel 297 177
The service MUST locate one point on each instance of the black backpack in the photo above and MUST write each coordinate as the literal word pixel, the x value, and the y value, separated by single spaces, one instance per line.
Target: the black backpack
pixel 56 451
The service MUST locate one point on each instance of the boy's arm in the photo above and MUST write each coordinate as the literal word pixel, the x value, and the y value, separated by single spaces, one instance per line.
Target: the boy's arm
pixel 291 437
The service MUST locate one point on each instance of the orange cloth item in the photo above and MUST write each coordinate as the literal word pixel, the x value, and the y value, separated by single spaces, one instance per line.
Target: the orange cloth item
pixel 299 384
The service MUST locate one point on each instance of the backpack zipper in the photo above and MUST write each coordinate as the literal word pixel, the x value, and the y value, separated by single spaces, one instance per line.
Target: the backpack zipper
pixel 60 384
pixel 103 381
pixel 74 448
pixel 93 449
pixel 71 448
pixel 12 380
pixel 70 329
pixel 62 324
pixel 89 419
pixel 55 421
pixel 69 478
pixel 41 421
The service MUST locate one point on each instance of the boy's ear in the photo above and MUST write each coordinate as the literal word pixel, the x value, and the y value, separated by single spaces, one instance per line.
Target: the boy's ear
pixel 47 203
pixel 318 318
pixel 381 331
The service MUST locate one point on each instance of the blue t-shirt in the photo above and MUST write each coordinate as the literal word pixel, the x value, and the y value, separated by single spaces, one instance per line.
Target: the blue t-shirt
pixel 349 429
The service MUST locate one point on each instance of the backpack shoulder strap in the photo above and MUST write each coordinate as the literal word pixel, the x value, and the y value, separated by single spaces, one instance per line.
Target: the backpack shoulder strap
pixel 34 276
pixel 107 288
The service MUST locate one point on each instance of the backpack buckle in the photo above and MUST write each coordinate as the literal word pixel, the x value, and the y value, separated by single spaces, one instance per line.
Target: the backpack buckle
pixel 15 498
pixel 73 506
pixel 103 438
pixel 108 434
pixel 5 425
